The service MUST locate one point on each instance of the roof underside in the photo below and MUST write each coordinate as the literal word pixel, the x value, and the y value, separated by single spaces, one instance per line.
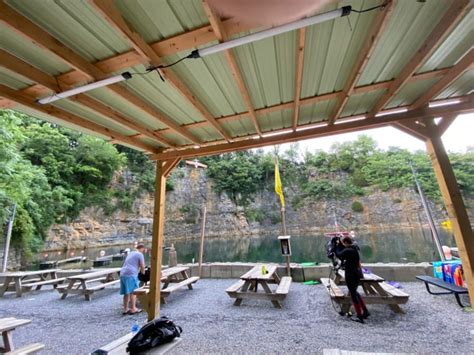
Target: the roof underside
pixel 269 69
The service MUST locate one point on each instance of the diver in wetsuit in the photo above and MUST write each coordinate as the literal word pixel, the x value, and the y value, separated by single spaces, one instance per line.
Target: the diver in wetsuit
pixel 347 251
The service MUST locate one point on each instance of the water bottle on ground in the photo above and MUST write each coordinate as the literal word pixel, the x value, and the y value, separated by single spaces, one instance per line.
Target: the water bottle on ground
pixel 135 327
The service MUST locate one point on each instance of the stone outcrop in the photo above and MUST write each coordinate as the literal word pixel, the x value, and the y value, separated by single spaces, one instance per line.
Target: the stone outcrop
pixel 193 190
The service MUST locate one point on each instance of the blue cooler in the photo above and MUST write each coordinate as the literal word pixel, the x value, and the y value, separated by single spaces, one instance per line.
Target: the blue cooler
pixel 438 269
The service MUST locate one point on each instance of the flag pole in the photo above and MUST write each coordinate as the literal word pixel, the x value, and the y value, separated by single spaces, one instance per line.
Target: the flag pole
pixel 282 214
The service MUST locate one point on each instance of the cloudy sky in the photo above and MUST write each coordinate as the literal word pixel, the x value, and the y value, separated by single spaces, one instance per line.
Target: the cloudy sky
pixel 457 138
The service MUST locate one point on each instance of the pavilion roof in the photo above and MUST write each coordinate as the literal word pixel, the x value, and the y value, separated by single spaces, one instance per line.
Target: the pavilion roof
pixel 302 84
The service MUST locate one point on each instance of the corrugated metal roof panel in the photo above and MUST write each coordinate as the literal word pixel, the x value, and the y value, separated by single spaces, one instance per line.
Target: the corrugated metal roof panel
pixel 464 85
pixel 76 24
pixel 454 46
pixel 23 49
pixel 331 49
pixel 158 19
pixel 316 112
pixel 92 116
pixel 48 118
pixel 205 134
pixel 361 103
pixel 150 141
pixel 109 98
pixel 410 92
pixel 411 23
pixel 161 95
pixel 211 81
pixel 12 79
pixel 175 138
pixel 275 120
pixel 269 78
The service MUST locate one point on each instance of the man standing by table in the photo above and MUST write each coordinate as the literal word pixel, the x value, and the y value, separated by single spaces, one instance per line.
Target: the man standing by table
pixel 134 263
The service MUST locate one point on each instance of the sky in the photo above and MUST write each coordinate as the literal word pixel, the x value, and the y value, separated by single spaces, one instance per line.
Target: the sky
pixel 457 138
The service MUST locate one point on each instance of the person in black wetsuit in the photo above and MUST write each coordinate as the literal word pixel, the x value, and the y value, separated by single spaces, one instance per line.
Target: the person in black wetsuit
pixel 349 255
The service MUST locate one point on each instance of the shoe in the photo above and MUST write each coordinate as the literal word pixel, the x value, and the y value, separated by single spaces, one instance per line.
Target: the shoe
pixel 366 314
pixel 125 313
pixel 358 319
pixel 136 312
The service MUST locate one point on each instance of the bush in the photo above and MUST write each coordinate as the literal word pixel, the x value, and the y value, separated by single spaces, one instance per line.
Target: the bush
pixel 397 200
pixel 357 206
pixel 255 215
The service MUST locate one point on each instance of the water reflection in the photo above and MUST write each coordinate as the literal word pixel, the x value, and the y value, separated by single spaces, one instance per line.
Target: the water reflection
pixel 389 246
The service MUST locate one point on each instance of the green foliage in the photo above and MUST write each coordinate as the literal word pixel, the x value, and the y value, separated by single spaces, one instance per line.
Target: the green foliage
pixel 255 215
pixel 357 206
pixel 397 200
pixel 238 174
pixel 190 212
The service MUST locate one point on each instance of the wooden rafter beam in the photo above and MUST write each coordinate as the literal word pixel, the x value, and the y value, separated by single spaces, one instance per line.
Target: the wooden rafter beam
pixel 298 75
pixel 444 124
pixel 453 73
pixel 373 37
pixel 466 105
pixel 24 100
pixel 112 15
pixel 221 35
pixel 47 84
pixel 413 129
pixel 455 12
pixel 43 39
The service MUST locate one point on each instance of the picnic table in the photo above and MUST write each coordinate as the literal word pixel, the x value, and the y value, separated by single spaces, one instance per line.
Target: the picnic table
pixel 7 326
pixel 173 278
pixel 23 281
pixel 376 290
pixel 119 347
pixel 86 284
pixel 247 286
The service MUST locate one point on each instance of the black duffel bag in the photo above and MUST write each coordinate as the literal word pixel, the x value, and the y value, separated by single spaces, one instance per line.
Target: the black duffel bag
pixel 154 333
pixel 146 276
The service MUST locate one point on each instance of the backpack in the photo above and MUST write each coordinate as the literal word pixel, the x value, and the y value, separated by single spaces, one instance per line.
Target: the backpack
pixel 154 333
pixel 146 276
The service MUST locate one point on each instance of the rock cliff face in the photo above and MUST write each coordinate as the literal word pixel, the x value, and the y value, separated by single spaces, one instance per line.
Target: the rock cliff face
pixel 192 191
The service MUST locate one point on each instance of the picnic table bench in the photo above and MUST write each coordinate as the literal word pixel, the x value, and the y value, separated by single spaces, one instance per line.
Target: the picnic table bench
pixel 457 290
pixel 173 279
pixel 81 284
pixel 119 346
pixel 24 281
pixel 376 290
pixel 7 326
pixel 247 286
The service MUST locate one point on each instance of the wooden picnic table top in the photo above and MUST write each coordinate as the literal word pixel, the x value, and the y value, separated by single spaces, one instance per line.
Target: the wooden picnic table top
pixel 173 271
pixel 256 273
pixel 369 277
pixel 7 324
pixel 27 273
pixel 91 275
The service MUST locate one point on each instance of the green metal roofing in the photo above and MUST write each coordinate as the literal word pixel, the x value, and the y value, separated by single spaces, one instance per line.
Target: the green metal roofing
pixel 268 67
pixel 464 85
pixel 13 80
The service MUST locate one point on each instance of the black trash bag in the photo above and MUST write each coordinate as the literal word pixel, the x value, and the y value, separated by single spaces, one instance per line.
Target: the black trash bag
pixel 146 276
pixel 154 333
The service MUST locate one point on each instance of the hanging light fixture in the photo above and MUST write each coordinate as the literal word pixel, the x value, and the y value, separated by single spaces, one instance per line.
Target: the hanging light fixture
pixel 84 88
pixel 313 20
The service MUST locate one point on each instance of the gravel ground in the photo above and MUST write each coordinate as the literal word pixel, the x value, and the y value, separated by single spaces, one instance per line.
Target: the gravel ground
pixel 211 324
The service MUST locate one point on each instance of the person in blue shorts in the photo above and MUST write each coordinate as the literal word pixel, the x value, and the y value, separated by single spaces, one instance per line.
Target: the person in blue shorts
pixel 134 263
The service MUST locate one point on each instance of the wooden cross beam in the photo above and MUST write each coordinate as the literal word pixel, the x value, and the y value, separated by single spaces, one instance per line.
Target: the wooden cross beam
pixel 298 75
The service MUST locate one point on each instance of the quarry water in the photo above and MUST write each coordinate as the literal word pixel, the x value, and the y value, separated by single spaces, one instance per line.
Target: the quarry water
pixel 411 245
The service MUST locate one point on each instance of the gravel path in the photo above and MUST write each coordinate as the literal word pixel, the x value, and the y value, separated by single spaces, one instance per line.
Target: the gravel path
pixel 211 324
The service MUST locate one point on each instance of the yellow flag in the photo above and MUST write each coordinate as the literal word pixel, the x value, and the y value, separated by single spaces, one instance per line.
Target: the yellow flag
pixel 278 188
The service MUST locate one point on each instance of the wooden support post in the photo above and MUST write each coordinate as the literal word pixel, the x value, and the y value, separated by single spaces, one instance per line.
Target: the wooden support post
pixel 157 241
pixel 454 204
